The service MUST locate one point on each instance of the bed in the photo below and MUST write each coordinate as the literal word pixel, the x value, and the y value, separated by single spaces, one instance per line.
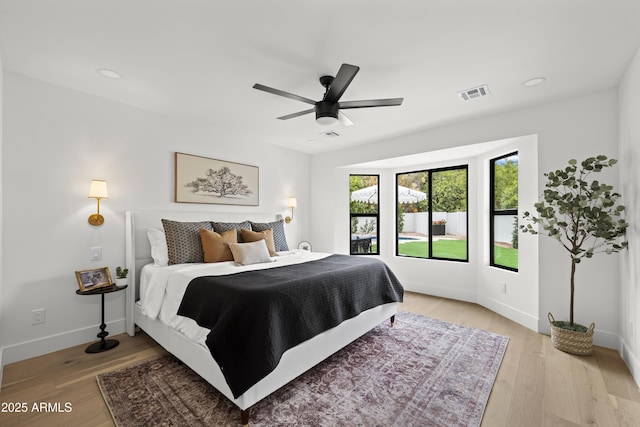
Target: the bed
pixel 149 308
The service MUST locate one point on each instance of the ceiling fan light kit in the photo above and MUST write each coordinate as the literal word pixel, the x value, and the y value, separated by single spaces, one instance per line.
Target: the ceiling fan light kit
pixel 327 112
pixel 328 109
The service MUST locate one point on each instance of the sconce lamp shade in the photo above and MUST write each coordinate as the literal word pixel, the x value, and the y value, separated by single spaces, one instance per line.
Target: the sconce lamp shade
pixel 98 189
pixel 293 203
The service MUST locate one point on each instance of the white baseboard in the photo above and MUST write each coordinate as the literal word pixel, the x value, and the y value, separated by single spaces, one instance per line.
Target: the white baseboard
pixel 606 339
pixel 443 292
pixel 28 349
pixel 600 338
pixel 632 360
pixel 518 316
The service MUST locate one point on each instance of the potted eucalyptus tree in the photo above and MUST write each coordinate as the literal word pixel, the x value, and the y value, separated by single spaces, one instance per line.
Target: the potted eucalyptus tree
pixel 585 217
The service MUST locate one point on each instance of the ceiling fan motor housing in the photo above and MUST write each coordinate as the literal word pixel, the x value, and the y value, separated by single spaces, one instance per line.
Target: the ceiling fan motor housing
pixel 326 110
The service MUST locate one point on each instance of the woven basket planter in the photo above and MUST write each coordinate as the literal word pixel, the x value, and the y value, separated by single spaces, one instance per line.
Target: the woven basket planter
pixel 574 342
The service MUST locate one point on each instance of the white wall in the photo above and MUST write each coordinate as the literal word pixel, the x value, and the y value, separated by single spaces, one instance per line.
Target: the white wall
pixel 55 141
pixel 520 302
pixel 630 260
pixel 571 128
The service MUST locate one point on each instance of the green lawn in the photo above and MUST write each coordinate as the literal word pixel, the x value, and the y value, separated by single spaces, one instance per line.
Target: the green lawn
pixel 506 257
pixel 455 249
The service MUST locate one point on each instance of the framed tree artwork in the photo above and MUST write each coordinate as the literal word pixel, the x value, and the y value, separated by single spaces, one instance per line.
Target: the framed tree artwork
pixel 205 180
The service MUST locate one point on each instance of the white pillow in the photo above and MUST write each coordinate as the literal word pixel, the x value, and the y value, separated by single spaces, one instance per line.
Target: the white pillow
pixel 159 250
pixel 250 253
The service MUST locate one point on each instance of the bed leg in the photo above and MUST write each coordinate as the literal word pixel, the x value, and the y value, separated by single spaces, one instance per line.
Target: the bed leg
pixel 393 319
pixel 244 417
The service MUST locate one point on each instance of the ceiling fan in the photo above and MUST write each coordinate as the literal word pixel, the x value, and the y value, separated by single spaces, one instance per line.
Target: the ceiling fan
pixel 328 109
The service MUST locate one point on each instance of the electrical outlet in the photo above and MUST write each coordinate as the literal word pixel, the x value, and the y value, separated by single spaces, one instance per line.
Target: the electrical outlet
pixel 96 253
pixel 503 287
pixel 38 316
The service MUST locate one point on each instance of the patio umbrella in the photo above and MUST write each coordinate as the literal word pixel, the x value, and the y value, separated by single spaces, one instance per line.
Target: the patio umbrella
pixel 370 194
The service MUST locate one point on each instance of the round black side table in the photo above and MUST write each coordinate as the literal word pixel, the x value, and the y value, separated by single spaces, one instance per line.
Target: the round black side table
pixel 102 345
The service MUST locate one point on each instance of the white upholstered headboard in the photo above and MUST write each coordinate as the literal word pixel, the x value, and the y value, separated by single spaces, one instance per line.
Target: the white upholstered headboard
pixel 138 249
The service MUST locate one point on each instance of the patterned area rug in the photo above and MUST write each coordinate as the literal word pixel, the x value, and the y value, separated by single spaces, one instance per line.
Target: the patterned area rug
pixel 421 372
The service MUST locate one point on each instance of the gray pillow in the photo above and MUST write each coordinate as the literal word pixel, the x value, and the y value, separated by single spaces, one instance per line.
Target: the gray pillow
pixel 221 227
pixel 183 240
pixel 279 237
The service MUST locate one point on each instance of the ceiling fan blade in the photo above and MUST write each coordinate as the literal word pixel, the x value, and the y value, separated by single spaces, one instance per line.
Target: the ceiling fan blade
pixel 346 73
pixel 298 114
pixel 372 103
pixel 283 93
pixel 346 121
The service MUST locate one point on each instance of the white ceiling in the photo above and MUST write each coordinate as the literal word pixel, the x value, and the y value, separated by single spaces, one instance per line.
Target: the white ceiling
pixel 198 59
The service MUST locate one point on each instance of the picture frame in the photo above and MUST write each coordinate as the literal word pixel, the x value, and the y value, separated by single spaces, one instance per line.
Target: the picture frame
pixel 89 280
pixel 206 180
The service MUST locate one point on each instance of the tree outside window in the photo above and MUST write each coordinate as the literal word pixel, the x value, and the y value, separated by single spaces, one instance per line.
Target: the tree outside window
pixel 432 214
pixel 504 211
pixel 364 214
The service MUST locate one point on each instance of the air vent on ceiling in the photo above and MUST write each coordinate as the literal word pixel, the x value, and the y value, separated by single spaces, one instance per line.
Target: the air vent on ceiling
pixel 330 134
pixel 476 92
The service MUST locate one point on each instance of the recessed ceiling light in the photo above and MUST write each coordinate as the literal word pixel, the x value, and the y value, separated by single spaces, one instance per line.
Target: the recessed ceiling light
pixel 109 73
pixel 534 81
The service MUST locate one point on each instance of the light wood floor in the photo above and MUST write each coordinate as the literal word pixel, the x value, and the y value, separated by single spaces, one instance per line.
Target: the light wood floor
pixel 537 385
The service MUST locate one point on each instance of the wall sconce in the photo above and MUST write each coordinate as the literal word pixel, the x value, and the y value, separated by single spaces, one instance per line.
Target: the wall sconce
pixel 293 203
pixel 98 190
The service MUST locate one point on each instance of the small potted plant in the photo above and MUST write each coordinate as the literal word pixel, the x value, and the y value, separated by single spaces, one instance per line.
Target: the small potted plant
pixel 121 276
pixel 585 218
pixel 438 227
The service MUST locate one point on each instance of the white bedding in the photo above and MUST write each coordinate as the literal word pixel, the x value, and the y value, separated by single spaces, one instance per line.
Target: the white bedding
pixel 162 288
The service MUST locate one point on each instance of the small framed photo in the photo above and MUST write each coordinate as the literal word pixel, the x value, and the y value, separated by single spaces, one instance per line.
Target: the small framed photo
pixel 89 280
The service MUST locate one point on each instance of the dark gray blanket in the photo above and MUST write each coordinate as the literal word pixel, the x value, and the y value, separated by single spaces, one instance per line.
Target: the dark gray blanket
pixel 255 316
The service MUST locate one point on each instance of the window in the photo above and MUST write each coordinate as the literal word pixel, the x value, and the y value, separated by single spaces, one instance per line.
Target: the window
pixel 432 214
pixel 364 214
pixel 503 215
